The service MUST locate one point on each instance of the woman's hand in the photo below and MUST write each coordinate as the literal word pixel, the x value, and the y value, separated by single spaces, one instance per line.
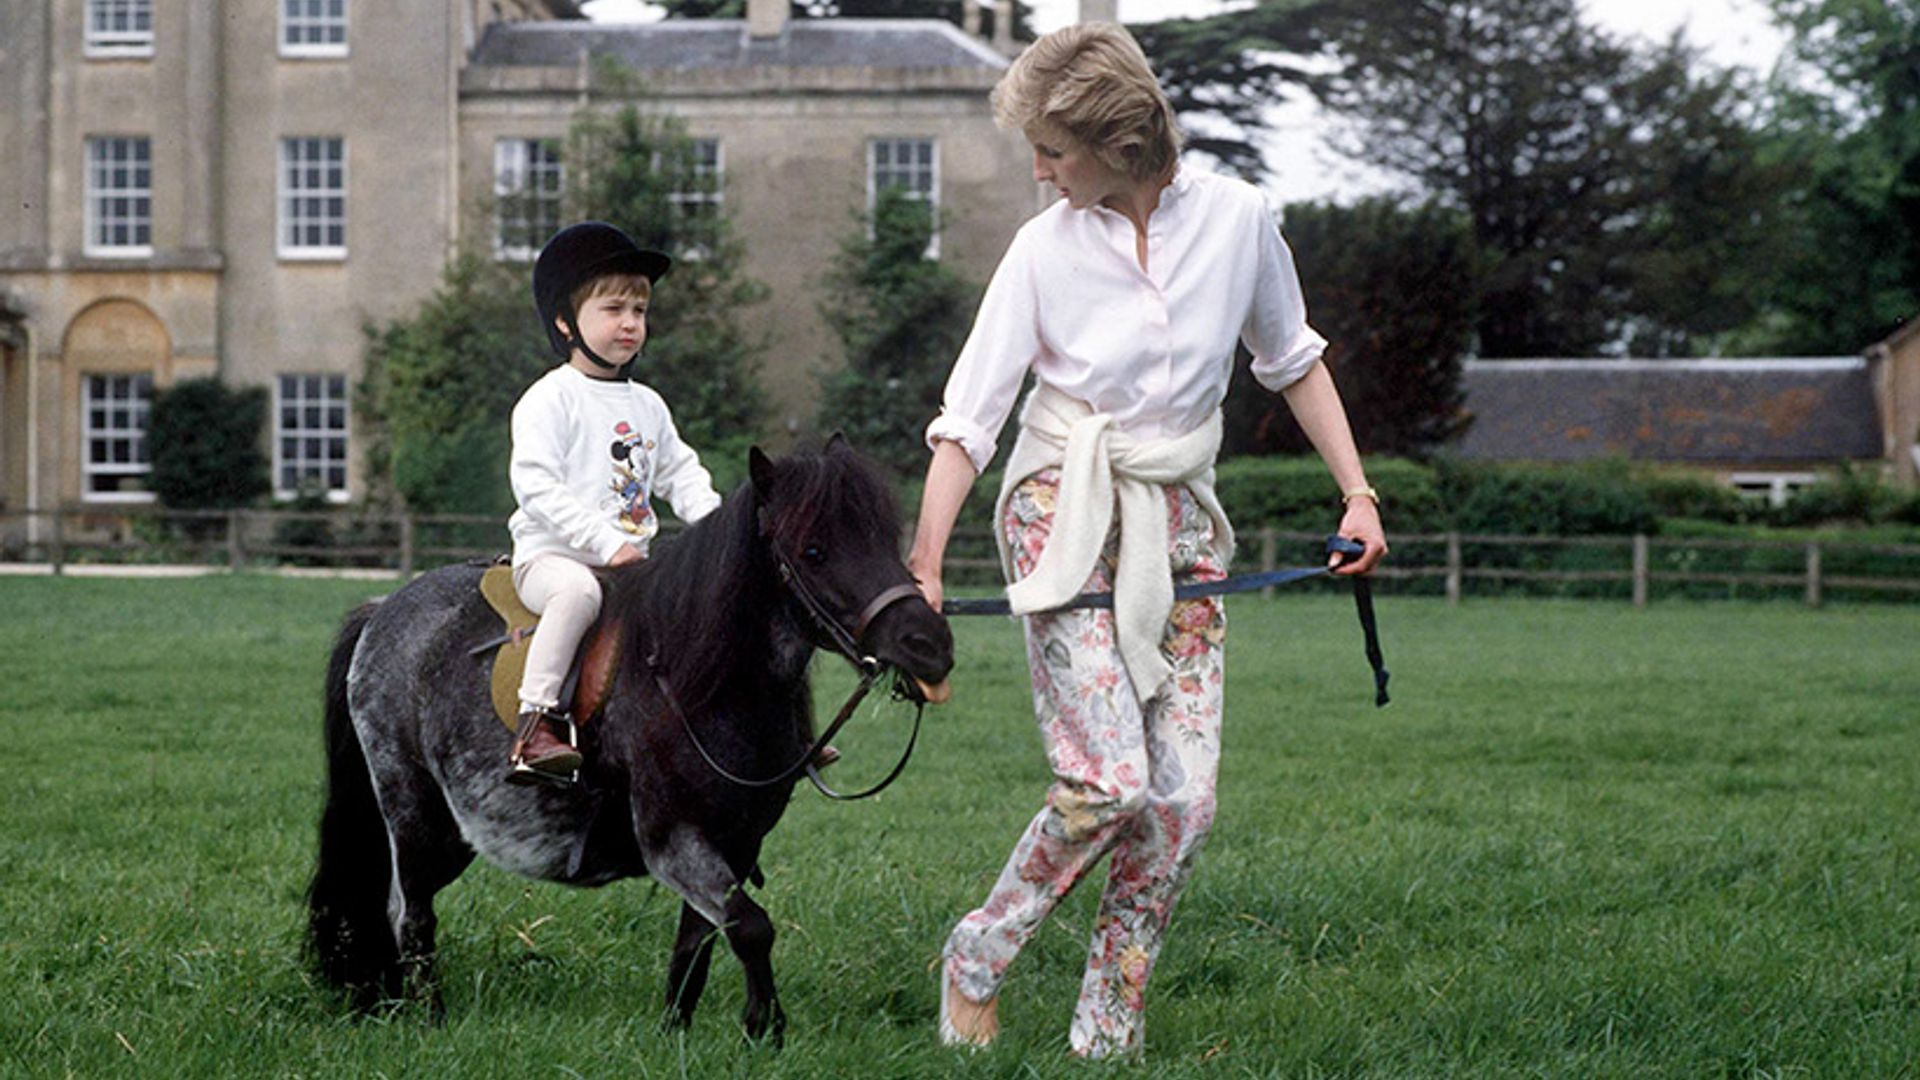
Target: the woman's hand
pixel 627 554
pixel 930 585
pixel 1361 522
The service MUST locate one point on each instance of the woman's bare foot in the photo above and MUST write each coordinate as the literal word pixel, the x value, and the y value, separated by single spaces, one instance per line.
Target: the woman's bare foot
pixel 964 1022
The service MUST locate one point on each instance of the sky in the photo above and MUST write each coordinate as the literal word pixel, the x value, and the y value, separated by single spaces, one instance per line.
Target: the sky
pixel 1304 167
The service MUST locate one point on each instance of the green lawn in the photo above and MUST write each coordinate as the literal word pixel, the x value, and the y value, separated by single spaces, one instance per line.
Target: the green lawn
pixel 1583 841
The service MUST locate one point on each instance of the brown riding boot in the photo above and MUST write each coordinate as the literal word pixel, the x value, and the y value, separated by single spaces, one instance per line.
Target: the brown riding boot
pixel 539 754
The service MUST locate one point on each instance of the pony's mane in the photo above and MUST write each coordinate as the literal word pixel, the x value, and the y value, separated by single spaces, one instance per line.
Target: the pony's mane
pixel 707 598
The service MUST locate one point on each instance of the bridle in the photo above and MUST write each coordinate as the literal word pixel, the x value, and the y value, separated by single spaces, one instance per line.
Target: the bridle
pixel 846 642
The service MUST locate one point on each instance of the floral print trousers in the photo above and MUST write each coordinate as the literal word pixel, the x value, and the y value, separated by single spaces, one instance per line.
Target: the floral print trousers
pixel 1133 780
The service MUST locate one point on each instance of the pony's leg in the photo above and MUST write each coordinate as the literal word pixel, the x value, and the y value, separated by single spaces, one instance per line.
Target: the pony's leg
pixel 692 867
pixel 750 934
pixel 687 972
pixel 427 855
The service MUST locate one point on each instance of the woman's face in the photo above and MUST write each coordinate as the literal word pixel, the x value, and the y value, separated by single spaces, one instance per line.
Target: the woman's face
pixel 1070 166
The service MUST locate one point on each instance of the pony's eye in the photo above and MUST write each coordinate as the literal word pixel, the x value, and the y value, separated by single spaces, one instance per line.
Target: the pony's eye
pixel 814 554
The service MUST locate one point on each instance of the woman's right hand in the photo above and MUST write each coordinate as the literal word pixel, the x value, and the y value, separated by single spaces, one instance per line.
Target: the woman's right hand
pixel 627 554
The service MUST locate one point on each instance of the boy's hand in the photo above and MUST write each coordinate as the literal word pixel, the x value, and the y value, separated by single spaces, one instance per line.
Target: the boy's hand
pixel 627 554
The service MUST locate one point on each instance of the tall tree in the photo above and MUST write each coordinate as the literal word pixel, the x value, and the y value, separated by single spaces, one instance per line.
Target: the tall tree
pixel 1578 160
pixel 1391 289
pixel 632 165
pixel 437 387
pixel 902 318
pixel 1223 72
pixel 1853 272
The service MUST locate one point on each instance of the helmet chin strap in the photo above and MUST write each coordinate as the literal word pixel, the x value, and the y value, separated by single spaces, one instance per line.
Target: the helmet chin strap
pixel 579 341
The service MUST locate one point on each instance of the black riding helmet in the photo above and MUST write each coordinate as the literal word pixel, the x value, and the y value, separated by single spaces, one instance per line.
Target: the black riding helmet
pixel 574 256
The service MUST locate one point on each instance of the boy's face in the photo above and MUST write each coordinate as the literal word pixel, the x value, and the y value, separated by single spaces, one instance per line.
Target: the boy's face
pixel 614 325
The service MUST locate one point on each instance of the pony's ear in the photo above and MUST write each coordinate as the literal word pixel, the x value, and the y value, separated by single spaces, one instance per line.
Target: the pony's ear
pixel 837 443
pixel 760 468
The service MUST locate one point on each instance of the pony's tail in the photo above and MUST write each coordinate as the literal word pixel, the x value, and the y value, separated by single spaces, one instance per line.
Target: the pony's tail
pixel 349 942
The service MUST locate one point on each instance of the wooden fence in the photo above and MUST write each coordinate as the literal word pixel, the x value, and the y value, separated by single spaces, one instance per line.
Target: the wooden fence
pixel 1449 564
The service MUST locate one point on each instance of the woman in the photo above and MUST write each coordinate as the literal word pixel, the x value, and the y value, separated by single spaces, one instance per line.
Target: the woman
pixel 1125 300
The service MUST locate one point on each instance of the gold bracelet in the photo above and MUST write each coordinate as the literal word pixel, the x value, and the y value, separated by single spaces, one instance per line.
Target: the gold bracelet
pixel 1360 493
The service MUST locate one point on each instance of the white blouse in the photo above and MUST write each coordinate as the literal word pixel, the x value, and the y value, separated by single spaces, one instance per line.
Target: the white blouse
pixel 1154 349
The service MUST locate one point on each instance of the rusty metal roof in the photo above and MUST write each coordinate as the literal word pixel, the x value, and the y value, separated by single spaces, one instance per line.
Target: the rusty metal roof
pixel 1742 411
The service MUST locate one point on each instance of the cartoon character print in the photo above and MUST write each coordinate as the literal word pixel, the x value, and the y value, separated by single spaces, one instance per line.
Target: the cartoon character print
pixel 632 482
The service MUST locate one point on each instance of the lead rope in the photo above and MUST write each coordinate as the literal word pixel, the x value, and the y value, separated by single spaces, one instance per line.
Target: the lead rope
pixel 1336 545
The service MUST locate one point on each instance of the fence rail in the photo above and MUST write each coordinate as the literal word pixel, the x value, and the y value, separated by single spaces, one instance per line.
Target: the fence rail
pixel 1446 563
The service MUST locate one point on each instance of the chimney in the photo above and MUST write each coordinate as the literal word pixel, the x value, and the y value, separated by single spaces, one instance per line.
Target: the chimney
pixel 970 17
pixel 1099 11
pixel 1003 27
pixel 766 19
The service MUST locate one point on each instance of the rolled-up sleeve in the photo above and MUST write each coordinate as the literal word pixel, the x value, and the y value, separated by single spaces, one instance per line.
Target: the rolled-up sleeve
pixel 1001 347
pixel 1284 347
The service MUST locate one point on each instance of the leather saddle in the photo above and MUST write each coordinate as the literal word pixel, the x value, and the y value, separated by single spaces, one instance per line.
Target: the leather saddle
pixel 595 662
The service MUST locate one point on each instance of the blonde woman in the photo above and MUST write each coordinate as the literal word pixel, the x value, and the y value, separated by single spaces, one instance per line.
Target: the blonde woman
pixel 1125 300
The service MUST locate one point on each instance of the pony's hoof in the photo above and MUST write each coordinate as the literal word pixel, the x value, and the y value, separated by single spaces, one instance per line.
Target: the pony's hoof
pixel 767 1028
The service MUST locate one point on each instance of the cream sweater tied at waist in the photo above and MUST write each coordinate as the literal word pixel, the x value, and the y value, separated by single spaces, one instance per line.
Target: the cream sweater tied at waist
pixel 1098 463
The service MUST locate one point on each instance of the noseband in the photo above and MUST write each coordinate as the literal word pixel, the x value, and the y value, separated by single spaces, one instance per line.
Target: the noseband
pixel 846 642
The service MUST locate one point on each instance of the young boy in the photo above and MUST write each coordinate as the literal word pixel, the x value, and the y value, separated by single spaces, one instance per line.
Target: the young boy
pixel 590 450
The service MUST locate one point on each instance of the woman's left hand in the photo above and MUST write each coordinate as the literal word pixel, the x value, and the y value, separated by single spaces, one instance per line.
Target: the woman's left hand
pixel 1361 522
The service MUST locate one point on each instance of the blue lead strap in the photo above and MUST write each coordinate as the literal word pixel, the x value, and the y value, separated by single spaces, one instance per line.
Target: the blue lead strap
pixel 1339 545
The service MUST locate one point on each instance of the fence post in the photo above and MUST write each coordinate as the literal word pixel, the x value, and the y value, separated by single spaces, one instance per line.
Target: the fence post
pixel 1453 569
pixel 1813 573
pixel 406 545
pixel 235 554
pixel 1640 570
pixel 58 552
pixel 1268 551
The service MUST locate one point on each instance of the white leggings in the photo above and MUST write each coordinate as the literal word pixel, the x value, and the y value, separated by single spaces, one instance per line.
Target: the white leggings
pixel 566 596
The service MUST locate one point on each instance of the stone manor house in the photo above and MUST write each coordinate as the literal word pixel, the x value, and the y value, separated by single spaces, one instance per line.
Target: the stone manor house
pixel 237 187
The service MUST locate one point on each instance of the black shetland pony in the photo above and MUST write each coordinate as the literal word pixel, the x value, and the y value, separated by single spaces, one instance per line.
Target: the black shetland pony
pixel 417 760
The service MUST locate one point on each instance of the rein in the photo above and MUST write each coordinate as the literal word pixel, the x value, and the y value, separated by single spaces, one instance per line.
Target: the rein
pixel 1337 545
pixel 845 642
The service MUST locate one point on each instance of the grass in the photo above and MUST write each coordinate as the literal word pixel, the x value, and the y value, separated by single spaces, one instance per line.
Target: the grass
pixel 1583 841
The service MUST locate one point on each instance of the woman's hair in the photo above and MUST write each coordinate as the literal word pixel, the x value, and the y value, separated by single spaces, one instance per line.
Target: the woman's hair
pixel 1092 81
pixel 611 284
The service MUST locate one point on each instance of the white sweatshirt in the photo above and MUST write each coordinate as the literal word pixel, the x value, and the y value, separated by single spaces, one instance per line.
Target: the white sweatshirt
pixel 588 457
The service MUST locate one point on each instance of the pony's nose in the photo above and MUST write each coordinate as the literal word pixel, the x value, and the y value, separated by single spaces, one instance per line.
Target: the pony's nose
pixel 927 655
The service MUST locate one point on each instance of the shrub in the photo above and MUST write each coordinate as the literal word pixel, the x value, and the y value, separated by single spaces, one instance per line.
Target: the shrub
pixel 1604 498
pixel 205 440
pixel 1849 496
pixel 1298 494
pixel 1677 496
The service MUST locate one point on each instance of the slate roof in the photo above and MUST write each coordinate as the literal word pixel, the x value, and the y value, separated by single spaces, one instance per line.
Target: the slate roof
pixel 689 44
pixel 1761 411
